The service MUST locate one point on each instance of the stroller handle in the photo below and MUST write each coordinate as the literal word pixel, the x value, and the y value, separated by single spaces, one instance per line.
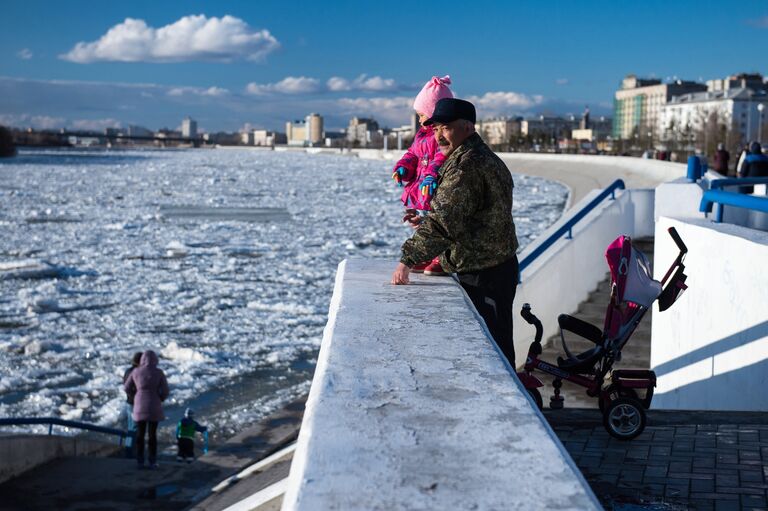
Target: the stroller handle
pixel 678 241
pixel 531 319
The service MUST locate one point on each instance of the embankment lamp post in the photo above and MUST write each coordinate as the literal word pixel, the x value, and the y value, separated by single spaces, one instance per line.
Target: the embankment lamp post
pixel 760 109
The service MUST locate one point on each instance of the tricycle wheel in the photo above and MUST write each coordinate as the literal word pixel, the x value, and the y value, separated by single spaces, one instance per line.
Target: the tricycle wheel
pixel 624 418
pixel 536 396
pixel 615 392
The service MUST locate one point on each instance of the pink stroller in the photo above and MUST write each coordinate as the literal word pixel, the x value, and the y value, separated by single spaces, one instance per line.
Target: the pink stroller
pixel 624 400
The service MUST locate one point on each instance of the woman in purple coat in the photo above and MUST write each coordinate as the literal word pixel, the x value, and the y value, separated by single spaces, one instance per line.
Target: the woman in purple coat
pixel 150 387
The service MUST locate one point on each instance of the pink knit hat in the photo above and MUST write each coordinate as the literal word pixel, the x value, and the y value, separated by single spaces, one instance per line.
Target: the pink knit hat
pixel 432 92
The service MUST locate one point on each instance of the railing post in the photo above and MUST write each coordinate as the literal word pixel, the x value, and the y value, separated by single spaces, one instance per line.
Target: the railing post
pixel 694 169
pixel 719 213
pixel 50 428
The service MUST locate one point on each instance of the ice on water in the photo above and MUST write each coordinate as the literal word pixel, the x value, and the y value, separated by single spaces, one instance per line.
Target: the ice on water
pixel 222 261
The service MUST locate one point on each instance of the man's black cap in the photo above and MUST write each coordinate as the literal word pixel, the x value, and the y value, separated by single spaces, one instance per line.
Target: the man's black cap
pixel 450 109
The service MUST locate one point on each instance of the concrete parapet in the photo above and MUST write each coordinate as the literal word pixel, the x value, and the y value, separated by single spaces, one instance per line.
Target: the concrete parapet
pixel 19 453
pixel 710 349
pixel 413 407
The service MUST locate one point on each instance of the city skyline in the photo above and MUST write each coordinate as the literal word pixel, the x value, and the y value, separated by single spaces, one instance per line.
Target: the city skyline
pixel 102 65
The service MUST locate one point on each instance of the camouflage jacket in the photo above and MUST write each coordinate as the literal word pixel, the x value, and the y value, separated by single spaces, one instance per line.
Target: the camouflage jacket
pixel 470 225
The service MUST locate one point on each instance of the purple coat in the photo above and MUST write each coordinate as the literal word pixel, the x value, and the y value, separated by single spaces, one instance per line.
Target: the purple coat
pixel 150 388
pixel 422 159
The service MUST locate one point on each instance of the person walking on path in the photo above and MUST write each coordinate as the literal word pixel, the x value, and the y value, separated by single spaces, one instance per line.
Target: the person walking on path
pixel 417 170
pixel 470 226
pixel 129 396
pixel 150 387
pixel 720 163
pixel 755 165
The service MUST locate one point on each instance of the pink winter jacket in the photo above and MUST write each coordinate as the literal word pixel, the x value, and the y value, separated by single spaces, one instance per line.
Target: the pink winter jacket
pixel 422 159
pixel 151 388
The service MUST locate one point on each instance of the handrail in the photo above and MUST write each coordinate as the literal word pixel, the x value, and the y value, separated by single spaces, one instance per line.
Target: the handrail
pixel 51 421
pixel 568 226
pixel 716 184
pixel 735 199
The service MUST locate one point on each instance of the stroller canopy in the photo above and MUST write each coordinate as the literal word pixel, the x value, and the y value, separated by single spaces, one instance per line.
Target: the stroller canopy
pixel 631 273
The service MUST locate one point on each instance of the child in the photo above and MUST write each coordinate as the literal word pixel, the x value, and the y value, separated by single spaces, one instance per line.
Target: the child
pixel 417 169
pixel 185 433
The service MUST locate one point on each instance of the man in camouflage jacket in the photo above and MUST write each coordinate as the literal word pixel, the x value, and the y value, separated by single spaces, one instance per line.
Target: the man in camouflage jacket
pixel 470 226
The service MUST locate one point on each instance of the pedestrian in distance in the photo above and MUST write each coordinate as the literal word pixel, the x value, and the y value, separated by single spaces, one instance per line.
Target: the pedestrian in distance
pixel 755 165
pixel 150 387
pixel 417 171
pixel 720 162
pixel 470 226
pixel 185 436
pixel 129 397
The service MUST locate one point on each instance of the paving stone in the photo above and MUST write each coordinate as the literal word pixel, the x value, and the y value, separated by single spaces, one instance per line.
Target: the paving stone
pixel 752 476
pixel 702 505
pixel 680 466
pixel 702 485
pixel 656 471
pixel 703 462
pixel 741 491
pixel 727 480
pixel 727 505
pixel 753 502
pixel 715 496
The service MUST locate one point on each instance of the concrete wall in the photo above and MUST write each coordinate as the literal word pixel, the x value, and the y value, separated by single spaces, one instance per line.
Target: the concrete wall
pixel 412 407
pixel 710 350
pixel 569 270
pixel 19 453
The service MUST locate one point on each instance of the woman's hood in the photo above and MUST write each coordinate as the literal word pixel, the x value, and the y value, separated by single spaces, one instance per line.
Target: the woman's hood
pixel 149 358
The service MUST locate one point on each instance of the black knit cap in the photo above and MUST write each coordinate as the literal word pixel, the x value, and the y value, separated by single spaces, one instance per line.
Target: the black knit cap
pixel 450 109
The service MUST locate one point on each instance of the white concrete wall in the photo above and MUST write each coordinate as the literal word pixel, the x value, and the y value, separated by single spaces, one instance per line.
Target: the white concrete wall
pixel 412 407
pixel 710 350
pixel 565 274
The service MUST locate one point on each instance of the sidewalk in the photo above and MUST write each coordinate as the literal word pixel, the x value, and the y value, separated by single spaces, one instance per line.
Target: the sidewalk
pixel 683 460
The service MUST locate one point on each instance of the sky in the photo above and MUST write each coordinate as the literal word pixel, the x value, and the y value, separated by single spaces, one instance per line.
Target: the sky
pixel 87 64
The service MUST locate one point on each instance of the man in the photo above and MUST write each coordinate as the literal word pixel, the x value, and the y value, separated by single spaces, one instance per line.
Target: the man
pixel 470 226
pixel 721 160
pixel 755 165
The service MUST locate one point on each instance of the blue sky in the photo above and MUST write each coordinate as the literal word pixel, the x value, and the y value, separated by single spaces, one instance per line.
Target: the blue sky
pixel 85 64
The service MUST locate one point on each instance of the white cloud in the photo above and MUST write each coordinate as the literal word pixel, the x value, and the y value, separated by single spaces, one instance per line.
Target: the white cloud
pixel 288 85
pixel 41 122
pixel 94 124
pixel 24 54
pixel 759 22
pixel 306 85
pixel 504 103
pixel 363 83
pixel 395 111
pixel 562 81
pixel 197 91
pixel 190 38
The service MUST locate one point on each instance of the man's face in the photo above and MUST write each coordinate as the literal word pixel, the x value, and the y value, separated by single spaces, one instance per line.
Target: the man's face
pixel 450 136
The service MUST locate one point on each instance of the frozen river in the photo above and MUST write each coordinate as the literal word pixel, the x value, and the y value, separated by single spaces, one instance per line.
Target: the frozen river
pixel 222 261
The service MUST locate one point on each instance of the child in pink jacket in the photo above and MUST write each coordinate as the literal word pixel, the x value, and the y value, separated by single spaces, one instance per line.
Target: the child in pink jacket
pixel 417 170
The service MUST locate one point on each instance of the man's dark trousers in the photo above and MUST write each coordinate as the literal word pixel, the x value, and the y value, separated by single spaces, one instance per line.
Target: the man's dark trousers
pixel 492 291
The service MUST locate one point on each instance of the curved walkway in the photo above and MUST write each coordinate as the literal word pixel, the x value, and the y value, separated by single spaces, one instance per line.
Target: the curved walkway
pixel 584 173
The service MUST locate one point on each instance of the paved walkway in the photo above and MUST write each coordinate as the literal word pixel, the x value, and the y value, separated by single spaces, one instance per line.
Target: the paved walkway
pixel 683 460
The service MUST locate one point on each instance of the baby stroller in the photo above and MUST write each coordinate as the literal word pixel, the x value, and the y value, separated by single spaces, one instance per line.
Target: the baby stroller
pixel 628 394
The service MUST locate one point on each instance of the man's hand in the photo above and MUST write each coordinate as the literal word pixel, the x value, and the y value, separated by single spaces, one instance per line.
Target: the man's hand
pixel 412 217
pixel 400 277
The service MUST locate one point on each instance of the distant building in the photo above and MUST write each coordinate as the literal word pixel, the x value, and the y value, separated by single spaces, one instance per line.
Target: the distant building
pixel 732 112
pixel 498 131
pixel 362 132
pixel 548 127
pixel 268 138
pixel 246 137
pixel 753 81
pixel 189 128
pixel 335 139
pixel 591 129
pixel 306 132
pixel 638 103
pixel 138 131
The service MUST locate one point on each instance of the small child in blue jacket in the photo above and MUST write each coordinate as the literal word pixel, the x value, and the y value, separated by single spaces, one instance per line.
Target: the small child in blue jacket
pixel 185 435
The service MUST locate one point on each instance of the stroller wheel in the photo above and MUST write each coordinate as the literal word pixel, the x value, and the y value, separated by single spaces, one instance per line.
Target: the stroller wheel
pixel 615 393
pixel 624 418
pixel 536 396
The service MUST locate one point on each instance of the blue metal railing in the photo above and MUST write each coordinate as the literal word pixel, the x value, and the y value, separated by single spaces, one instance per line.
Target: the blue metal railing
pixel 51 421
pixel 717 184
pixel 567 228
pixel 735 199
